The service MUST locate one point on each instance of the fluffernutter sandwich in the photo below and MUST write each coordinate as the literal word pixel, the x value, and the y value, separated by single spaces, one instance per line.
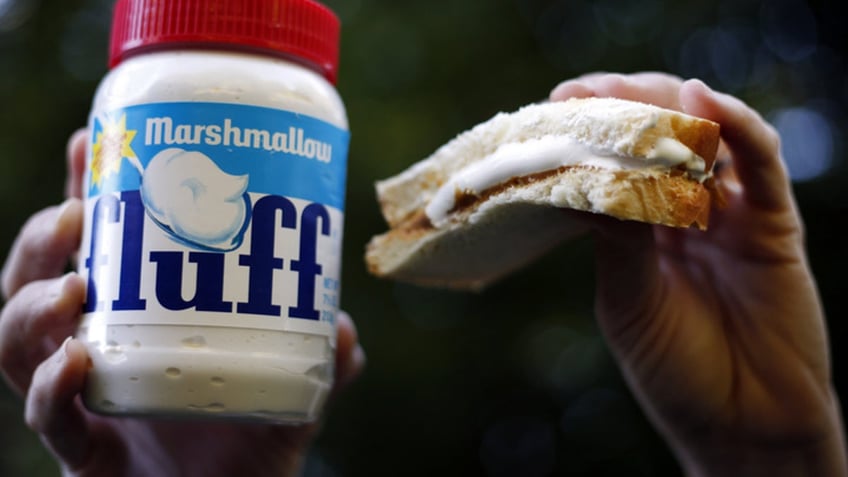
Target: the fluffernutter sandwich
pixel 490 200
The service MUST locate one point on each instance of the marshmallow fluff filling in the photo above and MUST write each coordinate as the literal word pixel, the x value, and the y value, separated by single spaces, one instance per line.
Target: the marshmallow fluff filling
pixel 548 153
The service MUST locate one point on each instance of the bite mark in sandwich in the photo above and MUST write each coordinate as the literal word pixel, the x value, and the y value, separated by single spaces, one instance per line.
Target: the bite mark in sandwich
pixel 489 200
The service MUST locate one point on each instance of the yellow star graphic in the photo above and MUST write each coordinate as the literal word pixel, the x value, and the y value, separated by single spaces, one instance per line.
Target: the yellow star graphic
pixel 112 144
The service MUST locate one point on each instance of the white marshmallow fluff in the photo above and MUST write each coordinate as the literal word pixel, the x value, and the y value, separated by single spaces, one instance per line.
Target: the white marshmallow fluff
pixel 214 208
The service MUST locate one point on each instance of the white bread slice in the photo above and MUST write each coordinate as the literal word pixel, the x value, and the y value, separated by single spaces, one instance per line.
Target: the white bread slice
pixel 489 233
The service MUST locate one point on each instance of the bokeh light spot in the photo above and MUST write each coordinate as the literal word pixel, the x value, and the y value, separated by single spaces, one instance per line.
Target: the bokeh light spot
pixel 520 445
pixel 789 29
pixel 722 55
pixel 563 359
pixel 14 13
pixel 806 142
pixel 82 52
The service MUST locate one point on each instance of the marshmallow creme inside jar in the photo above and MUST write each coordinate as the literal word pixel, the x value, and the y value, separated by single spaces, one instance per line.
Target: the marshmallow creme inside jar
pixel 214 202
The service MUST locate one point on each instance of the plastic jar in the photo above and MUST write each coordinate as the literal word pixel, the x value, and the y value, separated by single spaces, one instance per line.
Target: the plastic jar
pixel 214 202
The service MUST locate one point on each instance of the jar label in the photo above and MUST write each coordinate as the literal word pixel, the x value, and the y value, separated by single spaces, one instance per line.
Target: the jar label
pixel 213 214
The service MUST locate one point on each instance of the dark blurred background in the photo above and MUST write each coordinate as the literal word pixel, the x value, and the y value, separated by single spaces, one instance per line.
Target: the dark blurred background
pixel 513 381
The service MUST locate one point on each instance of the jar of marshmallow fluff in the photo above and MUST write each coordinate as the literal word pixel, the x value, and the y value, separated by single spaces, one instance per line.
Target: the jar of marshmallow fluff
pixel 214 203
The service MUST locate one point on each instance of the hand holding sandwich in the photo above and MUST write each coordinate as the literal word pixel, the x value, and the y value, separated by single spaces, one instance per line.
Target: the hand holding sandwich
pixel 721 333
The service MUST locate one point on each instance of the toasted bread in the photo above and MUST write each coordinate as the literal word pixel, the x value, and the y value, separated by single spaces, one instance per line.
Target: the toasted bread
pixel 489 201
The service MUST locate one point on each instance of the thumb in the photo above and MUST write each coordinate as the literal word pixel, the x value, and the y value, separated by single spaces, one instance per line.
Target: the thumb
pixel 753 143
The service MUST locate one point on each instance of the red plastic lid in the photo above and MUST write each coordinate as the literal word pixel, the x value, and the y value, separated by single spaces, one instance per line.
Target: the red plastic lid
pixel 302 30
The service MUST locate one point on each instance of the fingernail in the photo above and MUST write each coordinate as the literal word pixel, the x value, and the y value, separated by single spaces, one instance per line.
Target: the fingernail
pixel 61 283
pixel 359 356
pixel 68 213
pixel 354 368
pixel 698 81
pixel 77 136
pixel 571 88
pixel 58 287
pixel 64 346
pixel 60 357
pixel 695 88
pixel 62 289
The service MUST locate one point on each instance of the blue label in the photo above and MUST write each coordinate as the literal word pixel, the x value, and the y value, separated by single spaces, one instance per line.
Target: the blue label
pixel 280 152
pixel 213 211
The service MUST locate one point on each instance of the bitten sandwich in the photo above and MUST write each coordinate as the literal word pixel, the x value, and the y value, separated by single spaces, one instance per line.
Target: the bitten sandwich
pixel 489 201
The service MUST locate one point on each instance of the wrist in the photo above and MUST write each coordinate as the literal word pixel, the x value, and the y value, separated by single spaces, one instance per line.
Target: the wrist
pixel 823 455
pixel 772 463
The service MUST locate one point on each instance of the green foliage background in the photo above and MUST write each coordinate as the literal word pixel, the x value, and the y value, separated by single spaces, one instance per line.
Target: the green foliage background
pixel 514 380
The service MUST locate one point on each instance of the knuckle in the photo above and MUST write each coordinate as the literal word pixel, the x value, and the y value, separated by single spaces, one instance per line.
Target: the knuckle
pixel 19 320
pixel 35 222
pixel 35 232
pixel 7 354
pixel 34 409
pixel 659 77
pixel 7 284
pixel 614 80
pixel 37 247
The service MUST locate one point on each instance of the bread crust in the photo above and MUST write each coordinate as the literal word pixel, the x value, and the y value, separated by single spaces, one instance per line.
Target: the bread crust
pixel 519 220
pixel 604 125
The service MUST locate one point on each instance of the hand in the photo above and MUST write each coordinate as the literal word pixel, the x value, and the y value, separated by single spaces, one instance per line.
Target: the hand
pixel 721 334
pixel 40 363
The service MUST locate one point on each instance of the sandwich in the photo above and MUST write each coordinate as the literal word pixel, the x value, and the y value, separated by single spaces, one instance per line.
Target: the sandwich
pixel 491 200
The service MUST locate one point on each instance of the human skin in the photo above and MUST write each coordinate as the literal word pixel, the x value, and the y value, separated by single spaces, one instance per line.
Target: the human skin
pixel 721 333
pixel 41 363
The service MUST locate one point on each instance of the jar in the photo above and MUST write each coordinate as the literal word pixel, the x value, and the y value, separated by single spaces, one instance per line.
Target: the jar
pixel 214 204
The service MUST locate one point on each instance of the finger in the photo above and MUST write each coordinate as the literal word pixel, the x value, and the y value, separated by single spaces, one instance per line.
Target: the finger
pixel 754 145
pixel 51 407
pixel 33 322
pixel 350 357
pixel 44 246
pixel 76 163
pixel 625 254
pixel 350 361
pixel 574 88
pixel 656 88
pixel 579 87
